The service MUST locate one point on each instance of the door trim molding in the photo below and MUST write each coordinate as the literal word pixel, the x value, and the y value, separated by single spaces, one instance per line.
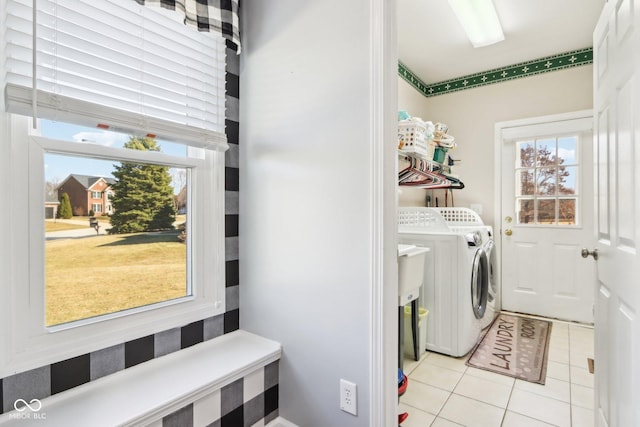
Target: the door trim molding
pixel 383 336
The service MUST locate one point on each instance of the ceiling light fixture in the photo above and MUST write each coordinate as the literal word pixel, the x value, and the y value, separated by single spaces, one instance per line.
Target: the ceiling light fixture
pixel 479 20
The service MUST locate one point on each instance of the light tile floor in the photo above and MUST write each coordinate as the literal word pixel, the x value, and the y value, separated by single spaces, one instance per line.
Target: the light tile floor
pixel 444 392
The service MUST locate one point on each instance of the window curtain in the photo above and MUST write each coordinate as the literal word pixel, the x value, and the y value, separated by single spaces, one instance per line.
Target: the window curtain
pixel 206 15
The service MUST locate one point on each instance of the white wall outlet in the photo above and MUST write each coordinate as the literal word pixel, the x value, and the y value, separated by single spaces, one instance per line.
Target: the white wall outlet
pixel 348 397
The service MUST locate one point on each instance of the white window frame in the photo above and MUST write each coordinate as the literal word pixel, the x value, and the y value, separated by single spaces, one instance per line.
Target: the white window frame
pixel 535 198
pixel 571 124
pixel 26 342
pixel 93 195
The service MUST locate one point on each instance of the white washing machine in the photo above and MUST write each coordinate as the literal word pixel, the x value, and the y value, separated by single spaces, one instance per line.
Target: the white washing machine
pixel 456 281
pixel 466 219
pixel 493 300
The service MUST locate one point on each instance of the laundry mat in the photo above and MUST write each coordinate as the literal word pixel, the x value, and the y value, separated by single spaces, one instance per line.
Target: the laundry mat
pixel 514 346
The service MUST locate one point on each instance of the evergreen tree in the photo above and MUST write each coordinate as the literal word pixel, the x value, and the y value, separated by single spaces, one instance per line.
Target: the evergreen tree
pixel 143 195
pixel 65 207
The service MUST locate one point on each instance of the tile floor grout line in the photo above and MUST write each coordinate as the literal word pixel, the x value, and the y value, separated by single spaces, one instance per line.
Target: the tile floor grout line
pixel 449 396
pixel 513 386
pixel 570 383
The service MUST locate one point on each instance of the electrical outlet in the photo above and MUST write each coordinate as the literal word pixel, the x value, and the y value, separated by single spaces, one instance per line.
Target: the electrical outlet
pixel 348 397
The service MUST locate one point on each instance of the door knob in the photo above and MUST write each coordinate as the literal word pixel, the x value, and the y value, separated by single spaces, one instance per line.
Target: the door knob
pixel 585 253
pixel 508 232
pixel 508 219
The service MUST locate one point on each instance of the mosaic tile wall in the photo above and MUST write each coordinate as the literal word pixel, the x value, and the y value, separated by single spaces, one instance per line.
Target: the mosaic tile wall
pixel 236 403
pixel 251 401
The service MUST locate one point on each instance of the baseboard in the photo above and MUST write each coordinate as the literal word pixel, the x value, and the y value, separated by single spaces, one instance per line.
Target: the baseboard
pixel 281 422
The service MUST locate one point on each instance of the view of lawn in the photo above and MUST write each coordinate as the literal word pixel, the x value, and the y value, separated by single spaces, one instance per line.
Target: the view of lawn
pixel 72 224
pixel 96 275
pixel 61 226
pixel 106 219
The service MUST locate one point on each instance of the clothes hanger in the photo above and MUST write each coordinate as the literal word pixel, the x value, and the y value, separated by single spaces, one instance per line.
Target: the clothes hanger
pixel 424 174
pixel 419 175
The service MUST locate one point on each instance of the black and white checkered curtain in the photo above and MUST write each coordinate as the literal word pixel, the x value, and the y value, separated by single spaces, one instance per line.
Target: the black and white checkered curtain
pixel 206 15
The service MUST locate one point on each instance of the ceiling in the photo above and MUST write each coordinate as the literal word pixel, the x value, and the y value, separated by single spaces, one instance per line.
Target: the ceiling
pixel 433 45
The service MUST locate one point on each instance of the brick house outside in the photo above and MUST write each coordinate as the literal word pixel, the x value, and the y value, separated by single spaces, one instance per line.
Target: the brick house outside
pixel 51 205
pixel 88 193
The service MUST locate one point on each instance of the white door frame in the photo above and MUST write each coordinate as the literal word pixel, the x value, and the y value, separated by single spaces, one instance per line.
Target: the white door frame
pixel 383 331
pixel 498 152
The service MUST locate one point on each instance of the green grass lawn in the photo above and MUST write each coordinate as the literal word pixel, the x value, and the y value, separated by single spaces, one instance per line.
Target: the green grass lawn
pixel 60 226
pixel 104 274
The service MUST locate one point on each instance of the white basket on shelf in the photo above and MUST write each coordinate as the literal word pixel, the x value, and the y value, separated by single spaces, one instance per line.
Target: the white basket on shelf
pixel 413 218
pixel 414 136
pixel 460 216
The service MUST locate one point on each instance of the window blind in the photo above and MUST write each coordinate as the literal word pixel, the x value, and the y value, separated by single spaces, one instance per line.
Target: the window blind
pixel 116 64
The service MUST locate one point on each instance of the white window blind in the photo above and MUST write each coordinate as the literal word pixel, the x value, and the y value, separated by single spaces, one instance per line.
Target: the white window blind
pixel 118 64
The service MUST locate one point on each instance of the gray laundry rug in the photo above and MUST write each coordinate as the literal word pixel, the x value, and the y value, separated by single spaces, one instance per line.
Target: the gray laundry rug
pixel 514 346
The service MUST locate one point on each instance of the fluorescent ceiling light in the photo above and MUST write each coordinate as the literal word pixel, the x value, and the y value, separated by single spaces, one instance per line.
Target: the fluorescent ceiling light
pixel 479 20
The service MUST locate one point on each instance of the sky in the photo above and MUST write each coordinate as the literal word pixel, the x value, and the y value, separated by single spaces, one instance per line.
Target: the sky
pixel 58 167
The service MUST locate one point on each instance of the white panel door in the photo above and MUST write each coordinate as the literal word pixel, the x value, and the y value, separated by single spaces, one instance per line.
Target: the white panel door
pixel 616 43
pixel 547 216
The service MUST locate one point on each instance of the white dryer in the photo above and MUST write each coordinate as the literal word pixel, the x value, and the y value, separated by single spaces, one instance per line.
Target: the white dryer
pixel 456 281
pixel 462 219
pixel 493 300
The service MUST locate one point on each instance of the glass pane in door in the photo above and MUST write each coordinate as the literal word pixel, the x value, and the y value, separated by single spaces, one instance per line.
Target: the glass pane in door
pixel 567 180
pixel 525 211
pixel 526 154
pixel 546 211
pixel 567 212
pixel 525 184
pixel 546 181
pixel 545 152
pixel 567 150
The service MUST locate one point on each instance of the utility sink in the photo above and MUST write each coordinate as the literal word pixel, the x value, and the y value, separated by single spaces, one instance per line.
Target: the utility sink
pixel 410 272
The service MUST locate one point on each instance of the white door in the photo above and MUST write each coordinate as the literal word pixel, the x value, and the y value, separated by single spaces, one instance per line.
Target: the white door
pixel 547 216
pixel 617 118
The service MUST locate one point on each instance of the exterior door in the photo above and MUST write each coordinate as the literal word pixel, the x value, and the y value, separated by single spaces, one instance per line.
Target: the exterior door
pixel 547 216
pixel 616 43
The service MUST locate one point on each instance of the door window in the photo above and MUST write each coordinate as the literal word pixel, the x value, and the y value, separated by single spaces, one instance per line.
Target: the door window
pixel 546 176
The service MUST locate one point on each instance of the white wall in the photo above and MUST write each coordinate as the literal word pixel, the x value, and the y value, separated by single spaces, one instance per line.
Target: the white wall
pixel 412 101
pixel 471 115
pixel 307 191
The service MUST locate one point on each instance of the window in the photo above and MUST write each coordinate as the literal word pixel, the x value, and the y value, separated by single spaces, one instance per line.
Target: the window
pixel 547 173
pixel 96 95
pixel 142 246
pixel 42 336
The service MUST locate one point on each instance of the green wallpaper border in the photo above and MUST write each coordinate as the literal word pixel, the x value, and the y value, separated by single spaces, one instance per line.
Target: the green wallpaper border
pixel 524 69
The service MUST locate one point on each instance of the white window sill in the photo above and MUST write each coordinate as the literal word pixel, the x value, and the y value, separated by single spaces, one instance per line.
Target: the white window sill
pixel 147 392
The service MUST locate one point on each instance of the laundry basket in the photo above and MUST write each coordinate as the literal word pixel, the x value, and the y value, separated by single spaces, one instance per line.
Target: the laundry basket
pixel 419 218
pixel 460 216
pixel 415 136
